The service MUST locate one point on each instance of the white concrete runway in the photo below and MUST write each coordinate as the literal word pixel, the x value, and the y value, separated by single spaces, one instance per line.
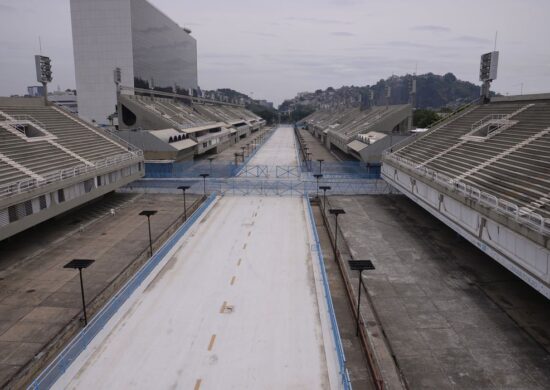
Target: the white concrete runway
pixel 238 305
pixel 280 149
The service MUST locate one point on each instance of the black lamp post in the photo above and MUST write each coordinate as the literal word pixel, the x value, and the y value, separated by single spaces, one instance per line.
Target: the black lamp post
pixel 204 176
pixel 210 159
pixel 325 189
pixel 336 213
pixel 148 214
pixel 184 188
pixel 320 165
pixel 80 264
pixel 360 265
pixel 318 176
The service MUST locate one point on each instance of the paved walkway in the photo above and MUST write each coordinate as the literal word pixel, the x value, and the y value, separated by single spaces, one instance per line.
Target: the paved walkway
pixel 38 298
pixel 453 317
pixel 316 148
pixel 228 155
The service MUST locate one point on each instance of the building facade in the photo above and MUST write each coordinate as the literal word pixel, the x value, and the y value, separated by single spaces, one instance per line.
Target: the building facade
pixel 151 50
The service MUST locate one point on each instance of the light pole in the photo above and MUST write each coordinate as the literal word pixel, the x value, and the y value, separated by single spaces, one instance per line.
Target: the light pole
pixel 243 148
pixel 204 176
pixel 148 214
pixel 210 159
pixel 80 264
pixel 320 165
pixel 318 176
pixel 325 189
pixel 184 188
pixel 336 213
pixel 360 265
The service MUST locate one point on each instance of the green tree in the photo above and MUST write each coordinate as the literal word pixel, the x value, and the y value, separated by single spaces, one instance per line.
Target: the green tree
pixel 424 118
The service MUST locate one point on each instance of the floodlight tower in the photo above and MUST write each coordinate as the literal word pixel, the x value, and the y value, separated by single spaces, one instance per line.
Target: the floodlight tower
pixel 412 98
pixel 487 73
pixel 43 73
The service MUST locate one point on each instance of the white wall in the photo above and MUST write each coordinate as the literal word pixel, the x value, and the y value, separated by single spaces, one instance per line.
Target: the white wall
pixel 524 257
pixel 102 41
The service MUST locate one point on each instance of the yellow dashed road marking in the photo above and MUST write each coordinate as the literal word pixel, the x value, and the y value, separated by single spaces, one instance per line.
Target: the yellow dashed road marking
pixel 232 280
pixel 211 344
pixel 197 384
pixel 239 262
pixel 223 307
pixel 244 246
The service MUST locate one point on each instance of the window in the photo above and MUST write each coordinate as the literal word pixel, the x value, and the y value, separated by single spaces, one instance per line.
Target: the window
pixel 88 185
pixel 42 202
pixel 28 207
pixel 99 181
pixel 12 214
pixel 60 196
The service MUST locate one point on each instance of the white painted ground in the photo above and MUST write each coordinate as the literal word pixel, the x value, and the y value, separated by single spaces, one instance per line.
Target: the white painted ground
pixel 280 149
pixel 251 254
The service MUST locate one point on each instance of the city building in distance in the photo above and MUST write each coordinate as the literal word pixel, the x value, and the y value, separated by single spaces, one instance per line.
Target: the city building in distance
pixel 151 50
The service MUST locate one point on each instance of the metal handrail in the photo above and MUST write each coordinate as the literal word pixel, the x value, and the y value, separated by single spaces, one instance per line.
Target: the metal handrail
pixel 26 185
pixel 520 214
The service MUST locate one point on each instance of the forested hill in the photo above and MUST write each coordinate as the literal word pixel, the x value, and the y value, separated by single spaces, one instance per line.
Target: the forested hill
pixel 433 91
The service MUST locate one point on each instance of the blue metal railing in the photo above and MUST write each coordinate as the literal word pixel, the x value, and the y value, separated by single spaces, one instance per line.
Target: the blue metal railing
pixel 192 169
pixel 344 374
pixel 70 353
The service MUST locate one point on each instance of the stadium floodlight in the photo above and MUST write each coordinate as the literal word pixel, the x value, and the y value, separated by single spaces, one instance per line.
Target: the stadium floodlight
pixel 318 176
pixel 184 188
pixel 80 264
pixel 204 176
pixel 488 72
pixel 43 73
pixel 148 214
pixel 360 265
pixel 336 213
pixel 325 189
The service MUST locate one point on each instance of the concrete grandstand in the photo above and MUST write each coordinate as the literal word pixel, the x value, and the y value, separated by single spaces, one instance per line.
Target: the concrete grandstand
pixel 176 127
pixel 483 172
pixel 50 162
pixel 352 132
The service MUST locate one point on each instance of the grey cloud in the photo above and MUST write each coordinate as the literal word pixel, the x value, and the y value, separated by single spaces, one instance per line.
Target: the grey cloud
pixel 410 44
pixel 318 21
pixel 260 34
pixel 6 8
pixel 472 39
pixel 342 34
pixel 431 28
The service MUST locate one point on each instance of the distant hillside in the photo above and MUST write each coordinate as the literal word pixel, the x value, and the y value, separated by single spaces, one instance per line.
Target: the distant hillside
pixel 433 91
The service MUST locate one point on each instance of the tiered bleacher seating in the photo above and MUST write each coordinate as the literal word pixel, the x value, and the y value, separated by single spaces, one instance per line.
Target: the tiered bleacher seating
pixel 71 133
pixel 40 157
pixel 513 165
pixel 9 173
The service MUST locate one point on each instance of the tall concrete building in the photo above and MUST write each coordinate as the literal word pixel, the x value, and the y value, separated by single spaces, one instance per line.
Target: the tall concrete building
pixel 150 49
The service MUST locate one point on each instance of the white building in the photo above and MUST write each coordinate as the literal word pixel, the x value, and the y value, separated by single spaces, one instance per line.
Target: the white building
pixel 149 48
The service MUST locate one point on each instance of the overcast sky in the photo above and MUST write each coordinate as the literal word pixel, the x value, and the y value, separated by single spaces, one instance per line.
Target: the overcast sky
pixel 275 49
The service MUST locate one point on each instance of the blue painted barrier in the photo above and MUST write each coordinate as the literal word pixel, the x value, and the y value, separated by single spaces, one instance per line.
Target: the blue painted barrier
pixel 344 375
pixel 70 353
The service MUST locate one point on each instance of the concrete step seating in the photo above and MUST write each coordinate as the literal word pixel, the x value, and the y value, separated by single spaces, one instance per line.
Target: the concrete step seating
pixel 9 174
pixel 70 132
pixel 519 175
pixel 40 157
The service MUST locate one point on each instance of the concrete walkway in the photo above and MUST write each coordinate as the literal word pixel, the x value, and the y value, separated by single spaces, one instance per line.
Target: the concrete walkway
pixel 38 298
pixel 447 309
